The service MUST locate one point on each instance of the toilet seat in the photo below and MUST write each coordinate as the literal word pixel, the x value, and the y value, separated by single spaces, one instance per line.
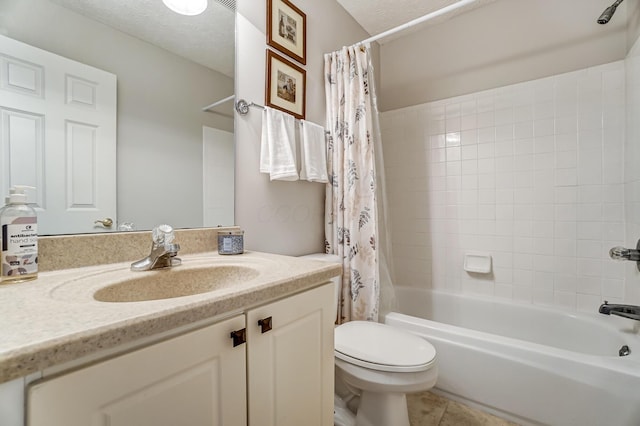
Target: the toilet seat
pixel 382 347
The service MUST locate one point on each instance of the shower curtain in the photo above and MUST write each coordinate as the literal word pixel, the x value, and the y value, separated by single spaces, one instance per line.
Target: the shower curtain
pixel 354 203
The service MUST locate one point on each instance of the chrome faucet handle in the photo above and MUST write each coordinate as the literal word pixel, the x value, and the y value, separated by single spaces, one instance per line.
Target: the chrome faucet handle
pixel 622 253
pixel 163 234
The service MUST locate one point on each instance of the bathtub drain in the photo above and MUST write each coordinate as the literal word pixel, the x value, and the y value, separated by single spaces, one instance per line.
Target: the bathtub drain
pixel 624 351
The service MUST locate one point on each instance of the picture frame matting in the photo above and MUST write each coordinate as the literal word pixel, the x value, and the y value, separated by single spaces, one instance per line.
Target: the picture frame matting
pixel 287 29
pixel 286 85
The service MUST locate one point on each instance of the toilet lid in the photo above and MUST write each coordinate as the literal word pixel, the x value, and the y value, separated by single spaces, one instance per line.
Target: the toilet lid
pixel 382 347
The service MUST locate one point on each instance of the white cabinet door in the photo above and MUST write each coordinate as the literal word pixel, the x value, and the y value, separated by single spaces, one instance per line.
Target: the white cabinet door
pixel 58 134
pixel 290 367
pixel 195 379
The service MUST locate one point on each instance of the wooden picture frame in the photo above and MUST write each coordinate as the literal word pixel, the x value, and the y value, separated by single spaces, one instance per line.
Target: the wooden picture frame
pixel 286 85
pixel 287 29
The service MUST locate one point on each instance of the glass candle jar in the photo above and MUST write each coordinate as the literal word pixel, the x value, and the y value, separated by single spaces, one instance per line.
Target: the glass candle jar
pixel 231 242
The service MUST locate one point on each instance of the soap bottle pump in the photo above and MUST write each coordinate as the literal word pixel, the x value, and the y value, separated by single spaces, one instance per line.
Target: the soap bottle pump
pixel 19 238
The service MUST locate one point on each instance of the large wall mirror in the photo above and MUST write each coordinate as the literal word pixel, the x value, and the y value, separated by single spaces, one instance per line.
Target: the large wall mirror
pixel 171 159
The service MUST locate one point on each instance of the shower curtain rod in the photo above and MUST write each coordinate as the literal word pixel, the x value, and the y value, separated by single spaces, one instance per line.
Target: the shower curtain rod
pixel 419 20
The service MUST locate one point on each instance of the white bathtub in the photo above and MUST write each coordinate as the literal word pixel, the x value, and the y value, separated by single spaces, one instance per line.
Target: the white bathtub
pixel 530 364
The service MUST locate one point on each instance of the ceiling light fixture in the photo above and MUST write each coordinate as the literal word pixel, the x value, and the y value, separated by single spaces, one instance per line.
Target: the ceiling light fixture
pixel 186 7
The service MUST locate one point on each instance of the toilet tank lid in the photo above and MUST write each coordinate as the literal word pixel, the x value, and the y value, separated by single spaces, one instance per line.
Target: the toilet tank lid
pixel 324 257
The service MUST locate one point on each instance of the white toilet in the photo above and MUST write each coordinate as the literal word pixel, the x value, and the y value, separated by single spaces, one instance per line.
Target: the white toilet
pixel 382 363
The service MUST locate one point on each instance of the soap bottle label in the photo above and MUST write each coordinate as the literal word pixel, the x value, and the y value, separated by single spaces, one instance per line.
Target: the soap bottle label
pixel 20 247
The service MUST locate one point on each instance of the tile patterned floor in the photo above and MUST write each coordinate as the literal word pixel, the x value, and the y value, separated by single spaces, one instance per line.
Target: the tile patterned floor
pixel 429 409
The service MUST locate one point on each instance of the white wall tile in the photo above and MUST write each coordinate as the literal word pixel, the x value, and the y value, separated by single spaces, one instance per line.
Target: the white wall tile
pixel 523 127
pixel 543 212
pixel 524 147
pixel 613 212
pixel 613 288
pixel 565 230
pixel 522 294
pixel 488 181
pixel 469 167
pixel 486 165
pixel 469 152
pixel 565 247
pixel 563 282
pixel 590 140
pixel 543 126
pixel 543 246
pixel 566 124
pixel 566 142
pixel 590 267
pixel 566 159
pixel 566 177
pixel 504 148
pixel 543 280
pixel 588 303
pixel 544 160
pixel 590 167
pixel 566 300
pixel 533 173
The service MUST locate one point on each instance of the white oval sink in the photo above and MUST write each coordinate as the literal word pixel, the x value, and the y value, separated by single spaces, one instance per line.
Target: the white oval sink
pixel 175 282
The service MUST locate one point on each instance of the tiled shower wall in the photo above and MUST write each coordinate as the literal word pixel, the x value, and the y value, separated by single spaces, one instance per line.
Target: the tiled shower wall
pixel 531 174
pixel 632 169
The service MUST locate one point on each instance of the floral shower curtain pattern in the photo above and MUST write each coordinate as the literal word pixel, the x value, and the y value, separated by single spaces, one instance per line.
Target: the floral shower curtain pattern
pixel 350 204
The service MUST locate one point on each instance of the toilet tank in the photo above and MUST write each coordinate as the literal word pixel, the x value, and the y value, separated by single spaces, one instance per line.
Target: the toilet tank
pixel 337 281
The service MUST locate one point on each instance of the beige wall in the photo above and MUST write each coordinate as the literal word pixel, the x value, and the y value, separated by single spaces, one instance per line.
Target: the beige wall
pixel 504 42
pixel 633 24
pixel 282 217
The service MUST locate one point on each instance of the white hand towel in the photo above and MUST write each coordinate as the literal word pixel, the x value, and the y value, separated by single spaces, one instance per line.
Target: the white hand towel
pixel 278 150
pixel 313 152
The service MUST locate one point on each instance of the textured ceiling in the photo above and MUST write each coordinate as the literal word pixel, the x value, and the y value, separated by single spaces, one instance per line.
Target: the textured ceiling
pixel 207 39
pixel 376 16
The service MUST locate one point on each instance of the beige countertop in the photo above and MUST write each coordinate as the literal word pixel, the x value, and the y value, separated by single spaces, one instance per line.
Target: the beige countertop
pixel 55 319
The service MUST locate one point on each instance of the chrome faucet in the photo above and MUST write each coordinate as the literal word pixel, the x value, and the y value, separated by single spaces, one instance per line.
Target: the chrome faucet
pixel 626 311
pixel 163 251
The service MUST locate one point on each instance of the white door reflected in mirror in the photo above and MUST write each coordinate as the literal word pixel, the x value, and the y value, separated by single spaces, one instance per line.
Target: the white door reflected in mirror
pixel 56 111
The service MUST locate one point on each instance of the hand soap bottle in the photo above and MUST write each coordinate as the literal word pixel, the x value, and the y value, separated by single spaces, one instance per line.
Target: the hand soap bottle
pixel 19 238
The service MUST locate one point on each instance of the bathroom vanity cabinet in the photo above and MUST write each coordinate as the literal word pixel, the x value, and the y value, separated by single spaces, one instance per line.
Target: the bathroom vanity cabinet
pixel 280 375
pixel 194 379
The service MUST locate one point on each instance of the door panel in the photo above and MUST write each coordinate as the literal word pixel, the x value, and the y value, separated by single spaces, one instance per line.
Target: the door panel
pixel 191 380
pixel 58 134
pixel 291 365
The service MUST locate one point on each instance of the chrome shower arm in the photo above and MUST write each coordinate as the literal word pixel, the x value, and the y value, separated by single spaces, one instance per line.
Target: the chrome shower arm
pixel 608 12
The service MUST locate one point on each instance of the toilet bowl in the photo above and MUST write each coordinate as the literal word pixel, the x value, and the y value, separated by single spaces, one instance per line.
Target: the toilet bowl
pixel 382 364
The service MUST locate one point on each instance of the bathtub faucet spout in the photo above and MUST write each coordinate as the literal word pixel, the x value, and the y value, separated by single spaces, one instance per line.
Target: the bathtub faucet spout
pixel 626 311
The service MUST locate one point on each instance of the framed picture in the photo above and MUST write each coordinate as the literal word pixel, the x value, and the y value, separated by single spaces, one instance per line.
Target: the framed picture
pixel 287 29
pixel 286 85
